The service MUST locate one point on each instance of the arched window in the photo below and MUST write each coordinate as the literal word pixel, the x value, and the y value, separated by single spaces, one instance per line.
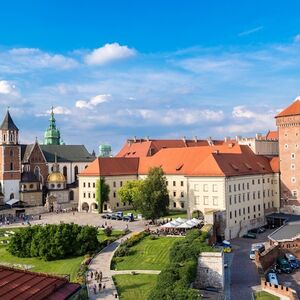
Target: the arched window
pixel 11 196
pixel 37 172
pixel 71 195
pixel 75 172
pixel 11 166
pixel 65 171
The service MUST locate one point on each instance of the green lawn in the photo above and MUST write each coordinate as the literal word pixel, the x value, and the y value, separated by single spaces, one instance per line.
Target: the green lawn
pixel 115 235
pixel 135 287
pixel 64 266
pixel 265 296
pixel 172 213
pixel 147 255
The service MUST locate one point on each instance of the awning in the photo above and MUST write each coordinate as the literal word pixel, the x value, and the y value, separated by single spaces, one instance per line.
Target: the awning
pixel 11 202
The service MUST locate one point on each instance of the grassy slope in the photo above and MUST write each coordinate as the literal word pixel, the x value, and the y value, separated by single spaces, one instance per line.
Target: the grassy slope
pixel 135 287
pixel 148 255
pixel 265 296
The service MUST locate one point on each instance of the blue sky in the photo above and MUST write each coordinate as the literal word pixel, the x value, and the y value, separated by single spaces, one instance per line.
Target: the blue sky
pixel 118 69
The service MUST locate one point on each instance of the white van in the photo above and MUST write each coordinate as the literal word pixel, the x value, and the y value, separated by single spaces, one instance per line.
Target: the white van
pixel 272 278
pixel 256 247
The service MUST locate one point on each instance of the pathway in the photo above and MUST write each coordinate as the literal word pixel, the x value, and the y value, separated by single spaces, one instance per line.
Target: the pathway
pixel 101 262
pixel 155 272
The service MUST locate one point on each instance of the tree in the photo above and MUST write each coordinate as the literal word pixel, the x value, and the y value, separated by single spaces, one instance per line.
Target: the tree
pixel 102 193
pixel 130 191
pixel 153 199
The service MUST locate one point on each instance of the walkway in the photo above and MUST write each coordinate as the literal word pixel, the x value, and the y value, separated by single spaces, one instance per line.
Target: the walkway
pixel 155 272
pixel 101 262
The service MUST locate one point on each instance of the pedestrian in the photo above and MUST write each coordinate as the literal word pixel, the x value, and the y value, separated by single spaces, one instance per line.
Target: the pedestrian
pixel 101 275
pixel 91 274
pixel 95 289
pixel 100 286
pixel 104 286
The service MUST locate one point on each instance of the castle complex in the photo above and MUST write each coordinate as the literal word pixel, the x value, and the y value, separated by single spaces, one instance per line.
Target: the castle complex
pixel 238 181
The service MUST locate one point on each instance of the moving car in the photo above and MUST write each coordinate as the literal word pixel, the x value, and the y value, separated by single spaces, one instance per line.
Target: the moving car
pixel 284 265
pixel 272 278
pixel 292 260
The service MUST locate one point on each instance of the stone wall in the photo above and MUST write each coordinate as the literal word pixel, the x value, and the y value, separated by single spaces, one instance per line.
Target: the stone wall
pixel 210 271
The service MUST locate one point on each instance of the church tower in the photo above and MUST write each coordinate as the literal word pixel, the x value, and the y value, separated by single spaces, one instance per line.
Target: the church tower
pixel 52 134
pixel 10 159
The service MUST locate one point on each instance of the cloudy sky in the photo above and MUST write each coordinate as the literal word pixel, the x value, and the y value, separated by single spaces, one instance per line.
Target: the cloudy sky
pixel 164 69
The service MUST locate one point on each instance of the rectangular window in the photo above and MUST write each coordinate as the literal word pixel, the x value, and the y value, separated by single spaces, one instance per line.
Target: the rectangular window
pixel 205 187
pixel 197 200
pixel 258 181
pixel 248 186
pixel 89 184
pixel 181 194
pixel 94 196
pixel 229 200
pixel 174 204
pixel 114 184
pixel 215 187
pixel 234 199
pixel 254 208
pixel 94 184
pixel 248 196
pixel 234 187
pixel 215 200
pixel 83 195
pixel 235 213
pixel 263 180
pixel 174 183
pixel 243 186
pixel 239 187
pixel 243 197
pixel 239 212
pixel 258 207
pixel 84 184
pixel 229 188
pixel 253 181
pixel 89 195
pixel 258 194
pixel 167 183
pixel 253 195
pixel 248 209
pixel 114 194
pixel 182 205
pixel 181 183
pixel 196 187
pixel 294 193
pixel 121 183
pixel 239 198
pixel 244 210
pixel 174 194
pixel 230 215
pixel 205 200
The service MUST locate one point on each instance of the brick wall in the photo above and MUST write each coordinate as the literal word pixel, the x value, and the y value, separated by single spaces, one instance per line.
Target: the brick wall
pixel 279 290
pixel 266 259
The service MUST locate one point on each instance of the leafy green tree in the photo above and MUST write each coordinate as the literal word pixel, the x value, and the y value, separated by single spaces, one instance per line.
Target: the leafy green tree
pixel 102 193
pixel 153 198
pixel 130 192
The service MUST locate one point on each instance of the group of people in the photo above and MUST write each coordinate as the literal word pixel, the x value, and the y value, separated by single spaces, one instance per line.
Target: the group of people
pixel 8 219
pixel 98 285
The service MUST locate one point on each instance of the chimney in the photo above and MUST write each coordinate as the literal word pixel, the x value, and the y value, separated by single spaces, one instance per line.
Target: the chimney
pixel 134 139
pixel 216 152
pixel 210 141
pixel 227 139
pixel 238 138
pixel 195 139
pixel 184 139
pixel 258 136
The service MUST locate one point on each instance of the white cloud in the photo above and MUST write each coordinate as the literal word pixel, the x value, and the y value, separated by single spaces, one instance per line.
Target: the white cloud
pixel 60 110
pixel 250 31
pixel 94 101
pixel 109 53
pixel 6 87
pixel 297 38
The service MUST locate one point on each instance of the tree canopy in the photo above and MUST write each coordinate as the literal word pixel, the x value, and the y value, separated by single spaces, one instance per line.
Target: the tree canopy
pixel 153 197
pixel 130 191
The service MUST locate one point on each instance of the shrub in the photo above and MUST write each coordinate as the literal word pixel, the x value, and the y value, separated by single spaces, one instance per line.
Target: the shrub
pixel 107 231
pixel 54 241
pixel 122 251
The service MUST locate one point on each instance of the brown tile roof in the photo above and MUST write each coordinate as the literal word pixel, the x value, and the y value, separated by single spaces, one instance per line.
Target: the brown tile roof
pixel 143 147
pixel 220 160
pixel 291 110
pixel 229 159
pixel 112 166
pixel 22 285
pixel 272 135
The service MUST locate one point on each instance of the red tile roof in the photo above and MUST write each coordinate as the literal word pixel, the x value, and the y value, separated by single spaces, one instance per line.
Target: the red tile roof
pixel 142 147
pixel 112 166
pixel 22 285
pixel 291 110
pixel 272 135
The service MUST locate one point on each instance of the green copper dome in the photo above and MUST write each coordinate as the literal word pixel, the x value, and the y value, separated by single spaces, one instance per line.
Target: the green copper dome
pixel 52 134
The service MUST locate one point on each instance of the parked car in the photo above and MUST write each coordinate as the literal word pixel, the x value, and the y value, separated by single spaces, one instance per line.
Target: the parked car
pixel 260 247
pixel 227 248
pixel 249 235
pixel 129 217
pixel 284 265
pixel 109 216
pixel 261 229
pixel 292 260
pixel 272 278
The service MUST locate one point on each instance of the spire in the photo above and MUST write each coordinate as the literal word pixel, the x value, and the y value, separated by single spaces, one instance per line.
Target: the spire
pixel 8 123
pixel 52 134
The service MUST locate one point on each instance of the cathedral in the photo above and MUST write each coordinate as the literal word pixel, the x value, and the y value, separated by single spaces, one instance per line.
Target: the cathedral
pixel 32 174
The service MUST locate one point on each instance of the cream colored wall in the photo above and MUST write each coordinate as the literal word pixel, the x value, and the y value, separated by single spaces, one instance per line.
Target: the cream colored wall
pixel 261 147
pixel 206 193
pixel 87 193
pixel 243 214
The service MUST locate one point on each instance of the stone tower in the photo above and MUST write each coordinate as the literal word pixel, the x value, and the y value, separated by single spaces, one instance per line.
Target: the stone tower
pixel 52 134
pixel 288 123
pixel 10 158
